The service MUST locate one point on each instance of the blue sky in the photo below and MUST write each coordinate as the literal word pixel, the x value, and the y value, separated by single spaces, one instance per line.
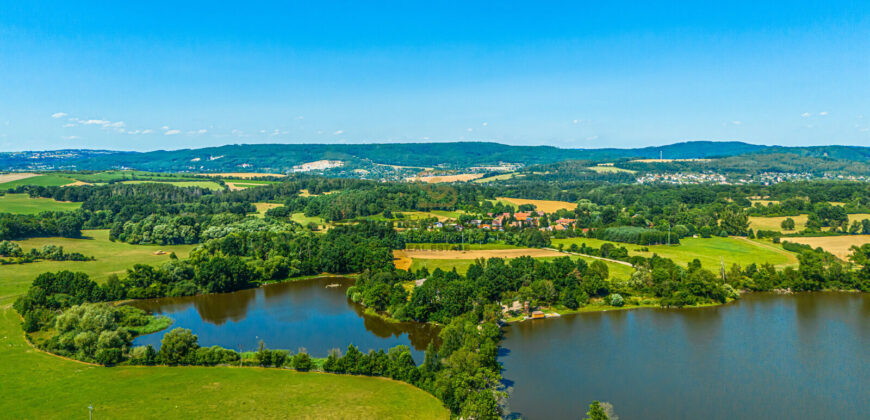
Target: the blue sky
pixel 169 75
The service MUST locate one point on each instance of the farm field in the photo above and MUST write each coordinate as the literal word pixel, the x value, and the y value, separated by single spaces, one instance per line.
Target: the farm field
pixel 609 169
pixel 470 247
pixel 444 178
pixel 757 223
pixel 616 270
pixel 708 250
pixel 241 175
pixel 304 220
pixel 201 184
pixel 108 176
pixel 39 385
pixel 837 245
pixel 39 180
pixel 494 178
pixel 23 204
pixel 111 258
pixel 481 253
pixel 548 206
pixel 263 207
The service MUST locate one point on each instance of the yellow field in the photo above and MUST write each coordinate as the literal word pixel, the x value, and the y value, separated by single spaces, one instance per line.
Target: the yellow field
pixel 401 260
pixel 15 176
pixel 669 160
pixel 548 206
pixel 241 175
pixel 774 223
pixel 494 178
pixel 837 245
pixel 444 178
pixel 609 169
pixel 481 253
pixel 262 207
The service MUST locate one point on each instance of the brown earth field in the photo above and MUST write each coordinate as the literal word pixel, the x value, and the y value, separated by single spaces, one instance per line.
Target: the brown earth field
pixel 483 253
pixel 837 245
pixel 15 176
pixel 548 206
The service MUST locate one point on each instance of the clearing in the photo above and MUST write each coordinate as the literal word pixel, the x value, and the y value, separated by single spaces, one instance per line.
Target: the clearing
pixel 201 184
pixel 481 253
pixel 800 222
pixel 710 251
pixel 837 245
pixel 38 180
pixel 609 169
pixel 461 265
pixel 23 204
pixel 242 175
pixel 547 206
pixel 432 179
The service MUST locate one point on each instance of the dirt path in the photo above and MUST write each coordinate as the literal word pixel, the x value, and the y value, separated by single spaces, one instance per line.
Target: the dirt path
pixel 595 257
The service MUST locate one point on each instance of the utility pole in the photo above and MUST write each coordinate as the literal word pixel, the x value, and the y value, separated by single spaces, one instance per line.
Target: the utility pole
pixel 90 412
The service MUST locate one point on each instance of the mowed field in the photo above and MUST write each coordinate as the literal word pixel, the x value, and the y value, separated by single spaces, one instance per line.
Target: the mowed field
pixel 201 184
pixel 800 221
pixel 548 206
pixel 111 258
pixel 444 178
pixel 39 385
pixel 710 251
pixel 837 245
pixel 609 169
pixel 23 204
pixel 242 175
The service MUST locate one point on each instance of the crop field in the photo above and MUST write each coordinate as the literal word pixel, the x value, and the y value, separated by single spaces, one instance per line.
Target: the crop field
pixel 109 176
pixel 242 175
pixel 39 385
pixel 39 180
pixel 461 265
pixel 445 178
pixel 710 251
pixel 201 184
pixel 473 254
pixel 837 245
pixel 501 177
pixel 23 204
pixel 548 206
pixel 774 223
pixel 111 258
pixel 470 247
pixel 263 207
pixel 609 169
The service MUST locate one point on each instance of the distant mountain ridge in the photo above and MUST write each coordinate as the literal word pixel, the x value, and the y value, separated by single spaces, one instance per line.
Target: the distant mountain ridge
pixel 283 157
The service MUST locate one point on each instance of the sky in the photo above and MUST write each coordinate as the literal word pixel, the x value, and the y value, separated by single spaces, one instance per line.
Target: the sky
pixel 171 75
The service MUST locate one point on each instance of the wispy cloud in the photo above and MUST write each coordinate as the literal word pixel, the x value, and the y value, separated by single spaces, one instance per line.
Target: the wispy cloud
pixel 736 122
pixel 338 132
pixel 806 114
pixel 68 125
pixel 147 131
pixel 485 124
pixel 590 138
pixel 823 113
pixel 171 132
pixel 70 137
pixel 59 115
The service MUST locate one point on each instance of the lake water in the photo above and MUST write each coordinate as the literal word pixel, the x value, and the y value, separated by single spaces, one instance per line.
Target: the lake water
pixel 803 356
pixel 286 315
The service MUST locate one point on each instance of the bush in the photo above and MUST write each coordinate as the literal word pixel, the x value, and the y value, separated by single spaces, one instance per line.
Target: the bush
pixel 616 300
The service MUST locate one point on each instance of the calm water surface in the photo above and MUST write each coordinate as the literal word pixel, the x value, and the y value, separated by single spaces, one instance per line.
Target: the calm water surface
pixel 286 316
pixel 804 356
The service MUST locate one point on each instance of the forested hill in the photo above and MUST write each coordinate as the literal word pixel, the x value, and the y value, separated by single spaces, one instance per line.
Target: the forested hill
pixel 282 157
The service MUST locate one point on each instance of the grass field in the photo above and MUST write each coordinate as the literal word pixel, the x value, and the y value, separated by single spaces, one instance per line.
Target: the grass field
pixel 773 223
pixel 202 184
pixel 616 270
pixel 23 204
pixel 111 257
pixel 501 177
pixel 39 180
pixel 707 250
pixel 39 385
pixel 303 220
pixel 609 169
pixel 262 207
pixel 475 247
pixel 108 176
pixel 548 206
pixel 837 245
pixel 444 178
pixel 242 175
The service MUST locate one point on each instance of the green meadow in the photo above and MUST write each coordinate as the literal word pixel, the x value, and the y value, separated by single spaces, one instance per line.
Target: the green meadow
pixel 39 180
pixel 23 204
pixel 201 184
pixel 616 270
pixel 710 251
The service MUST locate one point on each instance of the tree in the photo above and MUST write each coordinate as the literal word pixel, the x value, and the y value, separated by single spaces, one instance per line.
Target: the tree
pixel 178 347
pixel 788 224
pixel 596 412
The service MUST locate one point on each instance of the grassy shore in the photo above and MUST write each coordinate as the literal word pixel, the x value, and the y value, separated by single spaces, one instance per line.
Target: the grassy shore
pixel 40 385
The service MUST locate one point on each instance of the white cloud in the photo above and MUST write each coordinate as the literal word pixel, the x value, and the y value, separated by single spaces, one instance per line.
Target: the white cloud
pixel 171 132
pixel 736 122
pixel 576 121
pixel 301 117
pixel 165 127
pixel 823 113
pixel 485 124
pixel 70 137
pixel 806 114
pixel 59 115
pixel 116 124
pixel 590 138
pixel 469 129
pixel 147 131
pixel 95 122
pixel 200 131
pixel 337 132
pixel 67 125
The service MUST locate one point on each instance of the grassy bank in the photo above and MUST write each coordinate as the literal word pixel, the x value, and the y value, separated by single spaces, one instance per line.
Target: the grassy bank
pixel 39 385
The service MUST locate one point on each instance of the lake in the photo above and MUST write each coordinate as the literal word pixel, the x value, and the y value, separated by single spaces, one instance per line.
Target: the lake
pixel 764 357
pixel 314 314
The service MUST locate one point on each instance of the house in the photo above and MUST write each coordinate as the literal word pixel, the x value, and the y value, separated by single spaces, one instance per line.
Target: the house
pixel 538 315
pixel 438 225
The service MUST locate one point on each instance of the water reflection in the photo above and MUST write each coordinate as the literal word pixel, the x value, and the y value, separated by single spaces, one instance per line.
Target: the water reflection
pixel 314 314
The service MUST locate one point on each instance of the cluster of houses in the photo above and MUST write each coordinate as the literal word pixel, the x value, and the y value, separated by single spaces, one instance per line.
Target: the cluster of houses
pixel 526 219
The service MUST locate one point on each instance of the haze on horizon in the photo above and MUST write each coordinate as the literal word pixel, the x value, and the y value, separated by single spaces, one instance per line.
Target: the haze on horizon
pixel 166 75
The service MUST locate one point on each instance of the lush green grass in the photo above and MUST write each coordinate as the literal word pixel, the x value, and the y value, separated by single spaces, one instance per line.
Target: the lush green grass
pixel 111 257
pixel 202 184
pixel 775 223
pixel 707 250
pixel 501 177
pixel 49 180
pixel 23 204
pixel 616 270
pixel 304 220
pixel 156 323
pixel 39 385
pixel 609 169
pixel 108 176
